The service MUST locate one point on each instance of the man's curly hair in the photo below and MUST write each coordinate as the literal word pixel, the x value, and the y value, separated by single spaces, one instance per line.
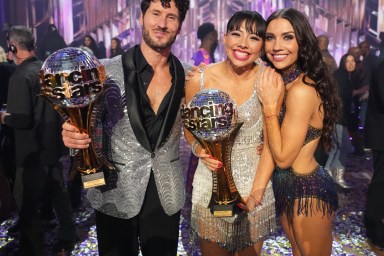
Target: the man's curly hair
pixel 181 5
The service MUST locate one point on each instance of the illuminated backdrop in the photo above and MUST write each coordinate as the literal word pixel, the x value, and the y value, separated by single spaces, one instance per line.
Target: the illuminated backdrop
pixel 346 22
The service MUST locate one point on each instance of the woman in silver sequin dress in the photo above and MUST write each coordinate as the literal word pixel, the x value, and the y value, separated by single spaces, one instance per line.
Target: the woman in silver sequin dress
pixel 238 75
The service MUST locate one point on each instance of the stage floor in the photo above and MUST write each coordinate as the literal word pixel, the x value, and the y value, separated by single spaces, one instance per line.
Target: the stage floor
pixel 348 229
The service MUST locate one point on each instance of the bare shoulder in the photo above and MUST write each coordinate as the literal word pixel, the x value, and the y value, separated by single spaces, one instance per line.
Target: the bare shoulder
pixel 302 92
pixel 301 87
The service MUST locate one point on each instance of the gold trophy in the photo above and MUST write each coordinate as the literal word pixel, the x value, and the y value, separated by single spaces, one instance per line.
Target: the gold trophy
pixel 211 117
pixel 72 80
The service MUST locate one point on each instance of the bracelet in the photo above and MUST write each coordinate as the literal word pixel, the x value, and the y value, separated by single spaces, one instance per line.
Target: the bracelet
pixel 194 146
pixel 257 201
pixel 271 116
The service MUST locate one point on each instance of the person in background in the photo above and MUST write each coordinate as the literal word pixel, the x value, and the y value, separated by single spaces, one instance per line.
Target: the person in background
pixel 38 149
pixel 381 46
pixel 207 35
pixel 51 42
pixel 115 47
pixel 7 144
pixel 300 105
pixel 89 44
pixel 102 50
pixel 369 62
pixel 345 77
pixel 323 42
pixel 374 139
pixel 360 87
pixel 139 207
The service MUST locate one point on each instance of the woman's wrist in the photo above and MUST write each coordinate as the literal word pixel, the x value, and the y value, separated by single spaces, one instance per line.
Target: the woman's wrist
pixel 257 194
pixel 269 112
pixel 270 116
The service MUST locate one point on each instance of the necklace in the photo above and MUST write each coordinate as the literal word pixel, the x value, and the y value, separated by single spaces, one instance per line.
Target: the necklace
pixel 291 73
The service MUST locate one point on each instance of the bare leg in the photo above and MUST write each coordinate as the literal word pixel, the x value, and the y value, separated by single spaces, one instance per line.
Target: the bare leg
pixel 255 250
pixel 211 248
pixel 288 229
pixel 312 234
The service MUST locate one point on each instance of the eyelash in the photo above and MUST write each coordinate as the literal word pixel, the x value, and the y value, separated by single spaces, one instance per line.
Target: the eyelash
pixel 269 38
pixel 252 38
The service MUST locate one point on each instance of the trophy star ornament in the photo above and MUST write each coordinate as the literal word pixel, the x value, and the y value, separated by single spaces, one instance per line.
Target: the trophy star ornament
pixel 211 117
pixel 72 80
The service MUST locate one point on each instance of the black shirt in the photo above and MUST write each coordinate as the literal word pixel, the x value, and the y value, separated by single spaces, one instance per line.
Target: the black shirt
pixel 345 83
pixel 152 121
pixel 36 124
pixel 6 70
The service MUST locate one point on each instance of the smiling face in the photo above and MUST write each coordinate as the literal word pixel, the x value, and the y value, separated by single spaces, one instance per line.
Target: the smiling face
pixel 281 46
pixel 242 47
pixel 160 25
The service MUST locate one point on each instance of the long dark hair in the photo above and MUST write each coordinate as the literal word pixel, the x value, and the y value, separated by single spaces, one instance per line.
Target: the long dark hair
pixel 311 63
pixel 93 45
pixel 345 78
pixel 118 50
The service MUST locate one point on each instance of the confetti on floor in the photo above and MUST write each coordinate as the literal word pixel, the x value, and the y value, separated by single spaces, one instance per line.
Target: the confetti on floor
pixel 348 229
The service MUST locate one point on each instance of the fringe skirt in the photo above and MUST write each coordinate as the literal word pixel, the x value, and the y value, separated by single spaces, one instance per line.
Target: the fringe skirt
pixel 315 191
pixel 238 232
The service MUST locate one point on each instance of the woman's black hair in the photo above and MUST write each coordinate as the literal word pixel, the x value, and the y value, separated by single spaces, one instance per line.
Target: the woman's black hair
pixel 254 22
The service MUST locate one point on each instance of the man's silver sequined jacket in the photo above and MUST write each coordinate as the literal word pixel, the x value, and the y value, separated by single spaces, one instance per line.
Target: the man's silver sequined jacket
pixel 133 161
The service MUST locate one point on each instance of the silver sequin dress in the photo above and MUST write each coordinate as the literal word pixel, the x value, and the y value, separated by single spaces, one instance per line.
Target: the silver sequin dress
pixel 244 229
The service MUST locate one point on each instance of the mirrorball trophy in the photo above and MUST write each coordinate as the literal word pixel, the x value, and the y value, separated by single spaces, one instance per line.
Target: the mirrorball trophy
pixel 71 80
pixel 211 117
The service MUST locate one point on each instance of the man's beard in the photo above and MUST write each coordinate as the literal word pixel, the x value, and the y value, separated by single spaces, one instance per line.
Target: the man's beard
pixel 154 45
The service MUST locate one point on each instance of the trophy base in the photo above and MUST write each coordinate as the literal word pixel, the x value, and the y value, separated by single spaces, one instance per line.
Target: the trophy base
pixel 93 180
pixel 224 210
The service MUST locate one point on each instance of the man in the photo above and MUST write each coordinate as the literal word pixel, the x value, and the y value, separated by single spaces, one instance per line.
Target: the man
pixel 142 208
pixel 7 156
pixel 323 43
pixel 360 86
pixel 374 139
pixel 51 42
pixel 381 46
pixel 37 148
pixel 369 62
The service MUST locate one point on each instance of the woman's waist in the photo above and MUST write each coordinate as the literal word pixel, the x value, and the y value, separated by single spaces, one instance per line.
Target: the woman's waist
pixel 302 168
